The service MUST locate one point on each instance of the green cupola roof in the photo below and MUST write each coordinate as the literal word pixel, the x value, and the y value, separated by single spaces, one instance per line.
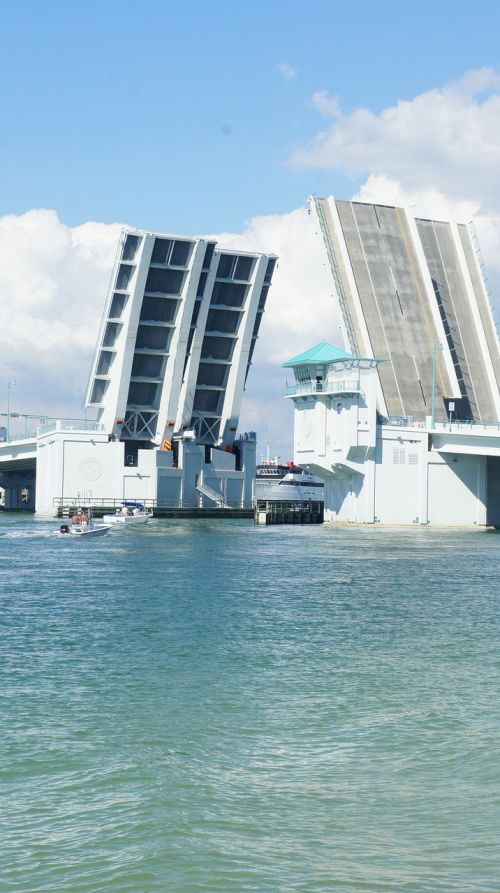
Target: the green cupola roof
pixel 320 353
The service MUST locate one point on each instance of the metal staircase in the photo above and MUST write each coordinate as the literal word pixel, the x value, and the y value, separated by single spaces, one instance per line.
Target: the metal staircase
pixel 207 491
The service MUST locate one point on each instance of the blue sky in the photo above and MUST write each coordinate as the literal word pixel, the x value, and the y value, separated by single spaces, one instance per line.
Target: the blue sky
pixel 222 119
pixel 175 116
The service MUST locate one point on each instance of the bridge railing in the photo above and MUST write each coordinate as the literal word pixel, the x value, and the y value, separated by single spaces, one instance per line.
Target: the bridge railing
pixel 68 425
pixel 70 502
pixel 462 427
pixel 459 426
pixel 25 437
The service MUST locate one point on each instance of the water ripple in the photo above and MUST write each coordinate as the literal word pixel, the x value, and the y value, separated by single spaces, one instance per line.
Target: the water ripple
pixel 209 706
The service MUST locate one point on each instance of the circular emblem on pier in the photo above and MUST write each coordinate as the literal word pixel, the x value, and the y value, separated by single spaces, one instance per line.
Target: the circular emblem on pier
pixel 307 425
pixel 90 469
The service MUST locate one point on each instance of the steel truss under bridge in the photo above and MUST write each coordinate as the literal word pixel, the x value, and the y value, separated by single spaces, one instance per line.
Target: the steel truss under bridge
pixel 139 425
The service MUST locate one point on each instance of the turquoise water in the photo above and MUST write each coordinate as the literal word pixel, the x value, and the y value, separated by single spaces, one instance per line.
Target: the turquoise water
pixel 210 706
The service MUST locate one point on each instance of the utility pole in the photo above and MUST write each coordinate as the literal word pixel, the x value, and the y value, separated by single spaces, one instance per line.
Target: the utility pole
pixel 10 383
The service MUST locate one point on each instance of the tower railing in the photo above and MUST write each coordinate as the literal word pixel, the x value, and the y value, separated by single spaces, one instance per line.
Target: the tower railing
pixel 326 388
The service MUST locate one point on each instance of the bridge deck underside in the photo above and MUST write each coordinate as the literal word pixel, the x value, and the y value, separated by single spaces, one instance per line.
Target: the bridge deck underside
pixel 11 465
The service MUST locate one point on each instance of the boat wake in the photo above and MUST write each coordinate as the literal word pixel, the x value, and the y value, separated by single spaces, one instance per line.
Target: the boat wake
pixel 23 534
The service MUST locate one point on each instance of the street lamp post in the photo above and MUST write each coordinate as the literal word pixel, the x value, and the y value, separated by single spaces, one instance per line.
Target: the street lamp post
pixel 10 383
pixel 437 346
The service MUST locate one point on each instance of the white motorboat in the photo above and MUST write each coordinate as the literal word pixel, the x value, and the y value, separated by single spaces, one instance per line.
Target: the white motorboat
pixel 82 524
pixel 129 513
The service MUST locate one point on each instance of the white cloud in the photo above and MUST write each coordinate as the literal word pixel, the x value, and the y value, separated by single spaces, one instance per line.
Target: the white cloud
pixel 438 153
pixel 299 308
pixel 287 71
pixel 447 137
pixel 329 106
pixel 53 284
pixel 53 281
pixel 300 312
pixel 427 202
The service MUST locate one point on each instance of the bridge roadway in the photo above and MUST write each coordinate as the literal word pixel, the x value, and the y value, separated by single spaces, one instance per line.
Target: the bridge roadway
pixel 456 311
pixel 467 439
pixel 18 455
pixel 395 306
pixel 402 297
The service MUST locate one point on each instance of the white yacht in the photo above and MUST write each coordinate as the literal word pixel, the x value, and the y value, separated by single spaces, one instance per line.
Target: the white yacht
pixel 288 482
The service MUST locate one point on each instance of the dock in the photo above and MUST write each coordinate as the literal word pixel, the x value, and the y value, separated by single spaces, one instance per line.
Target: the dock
pixel 268 511
pixel 162 512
